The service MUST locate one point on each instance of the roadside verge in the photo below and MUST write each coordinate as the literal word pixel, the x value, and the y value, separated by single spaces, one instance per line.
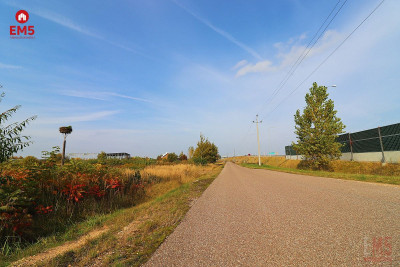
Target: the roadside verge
pixel 394 180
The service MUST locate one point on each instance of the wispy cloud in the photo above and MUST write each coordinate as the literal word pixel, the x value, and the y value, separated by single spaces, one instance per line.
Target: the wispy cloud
pixel 240 64
pixel 63 21
pixel 262 66
pixel 219 31
pixel 7 66
pixel 85 94
pixel 100 95
pixel 288 53
pixel 68 23
pixel 78 118
pixel 130 97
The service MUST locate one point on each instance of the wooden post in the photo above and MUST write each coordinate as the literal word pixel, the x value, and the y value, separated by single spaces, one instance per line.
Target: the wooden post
pixel 351 148
pixel 63 153
pixel 380 140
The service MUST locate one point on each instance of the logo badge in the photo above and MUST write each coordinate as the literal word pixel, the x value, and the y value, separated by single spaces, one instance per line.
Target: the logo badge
pixel 22 31
pixel 22 16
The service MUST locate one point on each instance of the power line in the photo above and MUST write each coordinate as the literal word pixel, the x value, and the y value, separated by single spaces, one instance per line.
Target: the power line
pixel 326 59
pixel 305 52
pixel 301 57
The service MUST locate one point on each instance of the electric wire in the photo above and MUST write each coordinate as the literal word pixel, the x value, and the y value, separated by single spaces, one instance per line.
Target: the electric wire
pixel 304 54
pixel 326 59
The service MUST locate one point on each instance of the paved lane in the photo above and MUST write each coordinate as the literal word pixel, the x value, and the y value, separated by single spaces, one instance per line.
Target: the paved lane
pixel 253 217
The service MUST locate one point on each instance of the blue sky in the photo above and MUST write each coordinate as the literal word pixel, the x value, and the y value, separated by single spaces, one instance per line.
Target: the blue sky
pixel 146 77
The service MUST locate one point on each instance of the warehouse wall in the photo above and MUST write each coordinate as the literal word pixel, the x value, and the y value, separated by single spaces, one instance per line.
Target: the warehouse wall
pixel 390 156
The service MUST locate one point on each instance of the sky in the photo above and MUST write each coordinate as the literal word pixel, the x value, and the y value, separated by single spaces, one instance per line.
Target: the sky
pixel 148 76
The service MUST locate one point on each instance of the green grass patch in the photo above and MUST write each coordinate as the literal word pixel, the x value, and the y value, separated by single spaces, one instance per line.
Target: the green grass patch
pixel 345 176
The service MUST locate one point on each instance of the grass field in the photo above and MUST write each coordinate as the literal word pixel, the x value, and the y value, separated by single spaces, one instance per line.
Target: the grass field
pixel 133 233
pixel 349 170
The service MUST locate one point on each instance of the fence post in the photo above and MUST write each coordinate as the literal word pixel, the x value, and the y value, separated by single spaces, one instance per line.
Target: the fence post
pixel 380 140
pixel 351 148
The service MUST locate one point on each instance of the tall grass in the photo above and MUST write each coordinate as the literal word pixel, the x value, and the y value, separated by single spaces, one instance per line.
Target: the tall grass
pixel 181 172
pixel 168 177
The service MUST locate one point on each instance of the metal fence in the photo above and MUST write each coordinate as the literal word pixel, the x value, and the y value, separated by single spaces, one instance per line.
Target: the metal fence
pixel 381 139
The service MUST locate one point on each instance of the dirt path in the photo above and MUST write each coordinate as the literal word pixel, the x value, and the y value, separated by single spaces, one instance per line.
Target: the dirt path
pixel 253 217
pixel 56 251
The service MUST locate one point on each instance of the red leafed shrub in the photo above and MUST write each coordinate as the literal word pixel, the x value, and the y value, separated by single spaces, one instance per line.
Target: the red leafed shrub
pixel 114 183
pixel 43 210
pixel 36 198
pixel 96 191
pixel 74 192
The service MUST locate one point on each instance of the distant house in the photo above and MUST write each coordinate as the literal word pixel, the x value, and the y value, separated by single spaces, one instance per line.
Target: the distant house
pixel 122 155
pixel 165 155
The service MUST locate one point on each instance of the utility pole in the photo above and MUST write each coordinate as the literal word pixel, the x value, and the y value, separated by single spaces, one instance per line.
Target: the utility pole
pixel 258 139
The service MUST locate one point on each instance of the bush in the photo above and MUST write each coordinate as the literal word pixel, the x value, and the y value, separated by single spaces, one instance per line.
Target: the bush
pixel 206 152
pixel 172 157
pixel 102 157
pixel 11 140
pixel 182 157
pixel 199 161
pixel 40 193
pixel 30 161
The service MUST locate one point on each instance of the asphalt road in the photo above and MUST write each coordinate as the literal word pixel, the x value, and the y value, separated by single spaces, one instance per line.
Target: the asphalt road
pixel 251 217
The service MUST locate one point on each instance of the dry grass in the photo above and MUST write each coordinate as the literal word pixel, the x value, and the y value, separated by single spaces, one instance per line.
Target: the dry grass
pixel 373 168
pixel 168 177
pixel 339 166
pixel 180 172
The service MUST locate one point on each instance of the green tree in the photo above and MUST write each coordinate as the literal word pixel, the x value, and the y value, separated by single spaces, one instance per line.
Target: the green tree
pixel 205 152
pixel 102 157
pixel 172 157
pixel 11 140
pixel 317 129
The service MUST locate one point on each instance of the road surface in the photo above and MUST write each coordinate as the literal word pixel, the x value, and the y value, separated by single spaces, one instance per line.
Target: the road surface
pixel 250 217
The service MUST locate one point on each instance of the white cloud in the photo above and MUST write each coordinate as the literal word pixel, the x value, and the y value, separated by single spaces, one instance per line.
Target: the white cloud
pixel 288 53
pixel 239 64
pixel 219 31
pixel 85 94
pixel 262 66
pixel 77 118
pixel 7 66
pixel 129 97
pixel 100 95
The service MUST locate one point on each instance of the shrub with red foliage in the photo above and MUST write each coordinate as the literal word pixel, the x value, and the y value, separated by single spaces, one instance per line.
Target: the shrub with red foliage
pixel 30 193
